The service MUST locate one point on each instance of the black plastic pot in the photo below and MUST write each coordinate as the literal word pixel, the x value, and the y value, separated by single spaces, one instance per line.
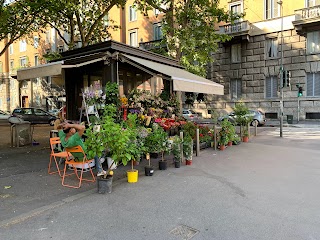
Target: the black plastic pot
pixel 177 164
pixel 105 184
pixel 162 165
pixel 148 170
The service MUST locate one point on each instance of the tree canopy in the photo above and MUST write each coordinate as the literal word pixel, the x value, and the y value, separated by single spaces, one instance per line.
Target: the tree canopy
pixel 18 19
pixel 75 21
pixel 189 27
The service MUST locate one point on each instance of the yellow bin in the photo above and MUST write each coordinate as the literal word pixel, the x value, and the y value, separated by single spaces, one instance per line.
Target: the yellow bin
pixel 132 176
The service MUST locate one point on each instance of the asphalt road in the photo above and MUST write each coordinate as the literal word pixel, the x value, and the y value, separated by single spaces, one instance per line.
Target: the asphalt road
pixel 265 189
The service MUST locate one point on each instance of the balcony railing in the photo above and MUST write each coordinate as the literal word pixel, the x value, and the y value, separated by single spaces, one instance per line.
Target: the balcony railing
pixel 307 13
pixel 156 44
pixel 235 28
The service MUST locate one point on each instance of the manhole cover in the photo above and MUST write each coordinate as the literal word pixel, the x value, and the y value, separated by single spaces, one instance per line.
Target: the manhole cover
pixel 184 232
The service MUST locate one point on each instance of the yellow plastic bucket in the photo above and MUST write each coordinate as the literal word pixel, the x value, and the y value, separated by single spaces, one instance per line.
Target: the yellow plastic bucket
pixel 132 176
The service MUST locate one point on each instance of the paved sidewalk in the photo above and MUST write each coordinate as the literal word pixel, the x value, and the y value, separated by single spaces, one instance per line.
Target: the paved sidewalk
pixel 32 191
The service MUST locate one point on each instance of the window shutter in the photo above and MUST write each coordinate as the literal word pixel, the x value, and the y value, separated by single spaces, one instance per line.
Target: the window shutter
pixel 317 84
pixel 310 84
pixel 239 88
pixel 268 87
pixel 274 86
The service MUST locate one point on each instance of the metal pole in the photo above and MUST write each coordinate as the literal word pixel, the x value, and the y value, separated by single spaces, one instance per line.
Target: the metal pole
pixel 281 72
pixel 198 143
pixel 298 109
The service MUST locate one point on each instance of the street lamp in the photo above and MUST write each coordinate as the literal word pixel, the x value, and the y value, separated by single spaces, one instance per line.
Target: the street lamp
pixel 281 71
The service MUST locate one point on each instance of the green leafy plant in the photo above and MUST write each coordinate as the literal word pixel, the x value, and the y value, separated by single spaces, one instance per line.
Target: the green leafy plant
pixel 189 129
pixel 187 147
pixel 241 112
pixel 176 148
pixel 157 141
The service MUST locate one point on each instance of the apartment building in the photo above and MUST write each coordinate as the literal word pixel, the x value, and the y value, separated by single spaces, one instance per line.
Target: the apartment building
pixel 272 33
pixel 136 30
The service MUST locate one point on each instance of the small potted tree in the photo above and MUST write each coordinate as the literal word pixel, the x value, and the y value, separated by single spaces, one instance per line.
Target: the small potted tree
pixel 176 150
pixel 243 119
pixel 188 149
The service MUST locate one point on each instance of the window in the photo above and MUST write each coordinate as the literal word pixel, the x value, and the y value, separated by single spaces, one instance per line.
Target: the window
pixel 157 33
pixel 23 62
pixel 313 39
pixel 272 9
pixel 236 53
pixel 271 87
pixel 36 41
pixel 236 7
pixel 11 49
pixel 36 60
pixel 133 38
pixel 23 45
pixel 272 48
pixel 313 84
pixel 236 88
pixel 11 65
pixel 132 13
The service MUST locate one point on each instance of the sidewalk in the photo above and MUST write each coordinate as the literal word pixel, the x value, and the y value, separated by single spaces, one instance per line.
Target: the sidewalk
pixel 26 189
pixel 300 124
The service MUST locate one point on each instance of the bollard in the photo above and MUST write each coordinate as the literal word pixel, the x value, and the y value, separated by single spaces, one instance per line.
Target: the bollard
pixel 181 146
pixel 256 130
pixel 197 143
pixel 215 137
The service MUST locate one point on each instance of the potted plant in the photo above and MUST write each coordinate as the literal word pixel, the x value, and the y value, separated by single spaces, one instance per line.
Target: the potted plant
pixel 243 119
pixel 236 139
pixel 157 141
pixel 114 139
pixel 176 150
pixel 188 149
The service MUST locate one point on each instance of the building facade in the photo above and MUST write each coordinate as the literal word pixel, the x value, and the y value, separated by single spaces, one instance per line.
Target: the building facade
pixel 272 34
pixel 48 93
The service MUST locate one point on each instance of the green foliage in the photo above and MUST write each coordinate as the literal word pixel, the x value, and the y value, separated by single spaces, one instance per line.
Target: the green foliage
pixel 228 129
pixel 189 129
pixel 20 19
pixel 176 148
pixel 122 144
pixel 187 147
pixel 242 117
pixel 112 94
pixel 52 56
pixel 157 141
pixel 189 29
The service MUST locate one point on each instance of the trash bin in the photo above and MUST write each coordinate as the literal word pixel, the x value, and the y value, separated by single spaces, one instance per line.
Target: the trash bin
pixel 20 132
pixel 290 119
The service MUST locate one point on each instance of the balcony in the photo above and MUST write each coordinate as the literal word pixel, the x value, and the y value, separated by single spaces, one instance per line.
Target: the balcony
pixel 152 45
pixel 238 30
pixel 307 20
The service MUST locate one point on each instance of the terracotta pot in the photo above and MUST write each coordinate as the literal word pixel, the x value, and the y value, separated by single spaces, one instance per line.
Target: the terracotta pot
pixel 222 147
pixel 230 143
pixel 188 162
pixel 245 139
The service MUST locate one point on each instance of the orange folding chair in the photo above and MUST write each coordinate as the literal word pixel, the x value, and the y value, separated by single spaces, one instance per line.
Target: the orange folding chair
pixel 54 141
pixel 80 165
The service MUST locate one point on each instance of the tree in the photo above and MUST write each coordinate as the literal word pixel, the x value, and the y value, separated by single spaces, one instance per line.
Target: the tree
pixel 18 19
pixel 84 21
pixel 189 29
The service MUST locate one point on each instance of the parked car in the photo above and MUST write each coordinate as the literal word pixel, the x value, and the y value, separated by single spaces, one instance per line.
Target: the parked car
pixel 34 115
pixel 4 116
pixel 190 115
pixel 54 112
pixel 257 116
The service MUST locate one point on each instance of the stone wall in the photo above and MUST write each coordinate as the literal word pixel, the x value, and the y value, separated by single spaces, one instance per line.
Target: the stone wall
pixel 255 67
